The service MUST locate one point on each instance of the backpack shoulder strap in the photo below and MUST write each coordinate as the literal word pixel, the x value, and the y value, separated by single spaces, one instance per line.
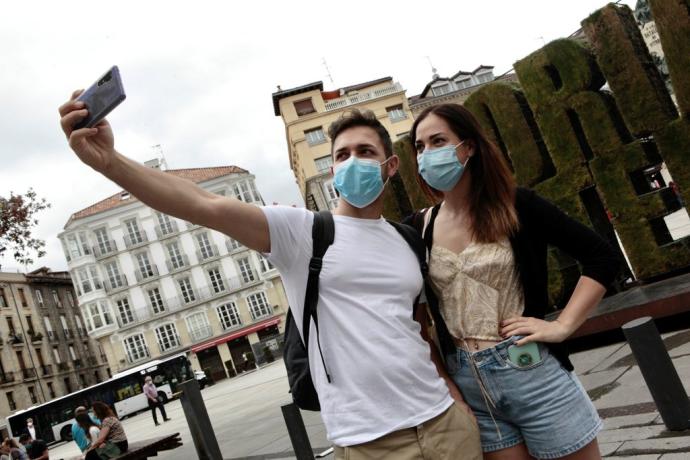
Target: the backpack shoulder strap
pixel 412 238
pixel 323 234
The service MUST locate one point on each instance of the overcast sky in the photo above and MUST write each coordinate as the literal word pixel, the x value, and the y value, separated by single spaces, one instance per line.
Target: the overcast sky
pixel 199 77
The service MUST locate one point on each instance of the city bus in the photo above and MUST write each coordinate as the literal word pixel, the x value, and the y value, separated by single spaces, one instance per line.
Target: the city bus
pixel 123 391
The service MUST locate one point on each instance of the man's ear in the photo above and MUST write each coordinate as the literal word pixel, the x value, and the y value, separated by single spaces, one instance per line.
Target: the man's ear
pixel 393 165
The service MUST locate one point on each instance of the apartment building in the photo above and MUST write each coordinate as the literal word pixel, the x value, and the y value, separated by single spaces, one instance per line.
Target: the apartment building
pixel 150 285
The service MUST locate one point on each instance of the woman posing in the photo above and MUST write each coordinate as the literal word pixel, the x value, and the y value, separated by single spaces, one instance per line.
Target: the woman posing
pixel 488 278
pixel 111 439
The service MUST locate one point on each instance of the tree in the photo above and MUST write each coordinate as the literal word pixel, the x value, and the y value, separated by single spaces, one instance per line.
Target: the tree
pixel 17 220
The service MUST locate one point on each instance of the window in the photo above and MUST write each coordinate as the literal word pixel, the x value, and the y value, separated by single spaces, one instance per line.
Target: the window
pixel 56 355
pixel 56 298
pixel 3 299
pixel 135 347
pixel 246 270
pixel 72 354
pixel 216 280
pixel 186 290
pixel 258 305
pixel 10 400
pixel 175 255
pixel 233 245
pixel 133 233
pixel 255 193
pixel 51 390
pixel 205 249
pixel 124 311
pixel 104 244
pixel 78 245
pixel 113 274
pixel 89 280
pixel 243 192
pixel 265 264
pixel 80 326
pixel 156 300
pixel 30 323
pixel 39 297
pixel 304 107
pixel 22 297
pixel 462 84
pixel 396 113
pixel 167 337
pixel 49 327
pixel 65 329
pixel 144 264
pixel 166 225
pixel 229 316
pixel 331 195
pixel 82 380
pixel 10 325
pixel 440 90
pixel 315 136
pixel 198 326
pixel 70 298
pixel 32 394
pixel 323 164
pixel 97 315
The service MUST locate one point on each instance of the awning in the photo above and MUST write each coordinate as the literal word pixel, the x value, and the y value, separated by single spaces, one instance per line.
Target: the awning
pixel 236 334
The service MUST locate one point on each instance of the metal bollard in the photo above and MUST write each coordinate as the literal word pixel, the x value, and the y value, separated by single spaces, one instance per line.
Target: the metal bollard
pixel 658 372
pixel 297 431
pixel 199 423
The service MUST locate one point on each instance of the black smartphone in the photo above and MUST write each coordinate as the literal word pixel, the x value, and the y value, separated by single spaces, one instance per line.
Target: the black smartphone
pixel 101 98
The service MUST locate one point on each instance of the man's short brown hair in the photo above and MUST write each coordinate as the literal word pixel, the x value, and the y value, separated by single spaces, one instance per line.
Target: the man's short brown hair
pixel 354 118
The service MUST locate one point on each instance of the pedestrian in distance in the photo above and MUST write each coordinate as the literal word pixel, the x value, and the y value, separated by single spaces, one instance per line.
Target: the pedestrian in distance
pixel 155 401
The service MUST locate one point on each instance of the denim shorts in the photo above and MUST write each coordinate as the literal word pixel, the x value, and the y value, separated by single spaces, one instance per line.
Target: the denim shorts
pixel 542 405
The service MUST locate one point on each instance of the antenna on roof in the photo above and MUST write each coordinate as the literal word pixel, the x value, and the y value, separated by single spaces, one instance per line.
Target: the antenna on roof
pixel 434 72
pixel 328 71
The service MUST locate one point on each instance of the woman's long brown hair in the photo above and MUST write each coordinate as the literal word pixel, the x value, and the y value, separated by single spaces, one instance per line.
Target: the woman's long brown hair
pixel 492 196
pixel 102 410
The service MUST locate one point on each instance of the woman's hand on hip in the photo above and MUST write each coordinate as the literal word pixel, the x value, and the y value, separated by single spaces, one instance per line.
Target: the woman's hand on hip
pixel 534 330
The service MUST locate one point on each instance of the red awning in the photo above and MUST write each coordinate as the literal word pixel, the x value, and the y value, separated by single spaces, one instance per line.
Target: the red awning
pixel 239 333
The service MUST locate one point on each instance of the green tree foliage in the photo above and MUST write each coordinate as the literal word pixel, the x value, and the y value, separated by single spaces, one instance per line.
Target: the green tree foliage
pixel 17 220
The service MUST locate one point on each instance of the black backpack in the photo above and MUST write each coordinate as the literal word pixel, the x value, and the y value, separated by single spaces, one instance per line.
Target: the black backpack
pixel 295 353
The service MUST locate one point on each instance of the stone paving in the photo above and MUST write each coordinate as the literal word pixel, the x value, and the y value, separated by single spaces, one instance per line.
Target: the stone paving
pixel 246 416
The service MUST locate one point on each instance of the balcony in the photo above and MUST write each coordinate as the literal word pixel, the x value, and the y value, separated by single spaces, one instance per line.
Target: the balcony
pixel 116 283
pixel 28 374
pixel 151 272
pixel 362 97
pixel 77 363
pixel 105 249
pixel 35 337
pixel 6 377
pixel 132 241
pixel 179 263
pixel 92 361
pixel 52 336
pixel 208 253
pixel 166 231
pixel 14 338
pixel 47 369
pixel 63 366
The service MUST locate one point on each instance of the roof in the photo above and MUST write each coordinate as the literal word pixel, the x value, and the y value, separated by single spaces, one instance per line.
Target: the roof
pixel 278 95
pixel 457 74
pixel 194 174
pixel 347 89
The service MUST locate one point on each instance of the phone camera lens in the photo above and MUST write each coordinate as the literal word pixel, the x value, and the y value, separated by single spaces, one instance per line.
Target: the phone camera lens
pixel 525 359
pixel 105 79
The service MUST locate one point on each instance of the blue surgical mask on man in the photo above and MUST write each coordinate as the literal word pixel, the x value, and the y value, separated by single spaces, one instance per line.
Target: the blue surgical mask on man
pixel 359 181
pixel 440 168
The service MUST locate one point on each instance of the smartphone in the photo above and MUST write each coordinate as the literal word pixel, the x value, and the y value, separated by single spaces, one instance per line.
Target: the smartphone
pixel 524 355
pixel 102 97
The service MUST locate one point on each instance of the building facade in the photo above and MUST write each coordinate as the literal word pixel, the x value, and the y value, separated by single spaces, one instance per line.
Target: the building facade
pixel 454 89
pixel 45 351
pixel 308 110
pixel 150 285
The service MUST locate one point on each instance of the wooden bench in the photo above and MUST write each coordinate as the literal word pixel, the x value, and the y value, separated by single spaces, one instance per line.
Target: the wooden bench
pixel 146 448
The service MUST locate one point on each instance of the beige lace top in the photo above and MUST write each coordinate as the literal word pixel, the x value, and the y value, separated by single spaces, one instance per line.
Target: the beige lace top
pixel 477 288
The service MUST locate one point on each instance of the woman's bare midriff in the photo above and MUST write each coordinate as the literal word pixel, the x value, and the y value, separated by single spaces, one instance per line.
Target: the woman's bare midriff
pixel 474 345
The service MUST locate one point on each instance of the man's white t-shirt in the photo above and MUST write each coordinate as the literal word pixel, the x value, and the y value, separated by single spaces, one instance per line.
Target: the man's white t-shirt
pixel 382 376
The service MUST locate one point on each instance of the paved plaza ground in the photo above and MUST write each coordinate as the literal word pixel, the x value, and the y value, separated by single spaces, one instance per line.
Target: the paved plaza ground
pixel 246 415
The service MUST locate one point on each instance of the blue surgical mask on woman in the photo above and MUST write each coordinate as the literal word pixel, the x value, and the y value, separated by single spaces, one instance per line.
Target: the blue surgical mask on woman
pixel 359 181
pixel 440 168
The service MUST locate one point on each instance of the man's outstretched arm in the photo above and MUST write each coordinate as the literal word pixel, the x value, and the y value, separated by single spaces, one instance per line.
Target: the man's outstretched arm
pixel 164 192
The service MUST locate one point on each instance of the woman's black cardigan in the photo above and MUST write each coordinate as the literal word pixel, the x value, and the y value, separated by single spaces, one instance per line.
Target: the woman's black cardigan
pixel 541 224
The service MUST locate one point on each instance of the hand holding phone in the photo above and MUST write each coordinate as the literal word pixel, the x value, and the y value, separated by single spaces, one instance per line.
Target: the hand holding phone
pixel 101 98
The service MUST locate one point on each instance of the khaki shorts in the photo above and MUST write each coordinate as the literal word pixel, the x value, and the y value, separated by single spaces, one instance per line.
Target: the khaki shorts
pixel 449 436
